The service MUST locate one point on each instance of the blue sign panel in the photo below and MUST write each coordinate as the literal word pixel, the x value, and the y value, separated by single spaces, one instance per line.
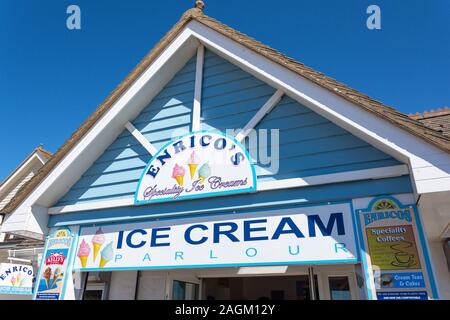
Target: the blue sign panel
pixel 407 295
pixel 406 280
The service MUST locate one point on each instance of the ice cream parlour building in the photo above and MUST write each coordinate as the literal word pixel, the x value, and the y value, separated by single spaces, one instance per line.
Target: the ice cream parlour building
pixel 221 169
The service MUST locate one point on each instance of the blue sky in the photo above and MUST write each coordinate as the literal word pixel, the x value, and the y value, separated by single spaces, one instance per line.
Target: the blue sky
pixel 52 78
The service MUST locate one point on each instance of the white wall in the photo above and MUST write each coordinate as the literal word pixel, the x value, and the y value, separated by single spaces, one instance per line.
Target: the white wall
pixel 151 286
pixel 434 211
pixel 123 285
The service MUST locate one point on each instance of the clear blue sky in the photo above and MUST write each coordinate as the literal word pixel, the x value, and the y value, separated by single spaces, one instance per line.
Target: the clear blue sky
pixel 52 78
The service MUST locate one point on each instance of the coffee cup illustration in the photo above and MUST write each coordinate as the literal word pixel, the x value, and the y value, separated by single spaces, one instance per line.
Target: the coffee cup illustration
pixel 403 257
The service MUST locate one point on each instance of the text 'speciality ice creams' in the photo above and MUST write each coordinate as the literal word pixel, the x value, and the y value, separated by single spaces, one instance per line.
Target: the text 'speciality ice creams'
pixel 106 255
pixel 83 253
pixel 193 163
pixel 204 172
pixel 178 174
pixel 97 241
pixel 47 275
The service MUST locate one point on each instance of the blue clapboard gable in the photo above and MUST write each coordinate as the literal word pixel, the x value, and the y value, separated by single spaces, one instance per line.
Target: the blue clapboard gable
pixel 230 96
pixel 116 173
pixel 309 144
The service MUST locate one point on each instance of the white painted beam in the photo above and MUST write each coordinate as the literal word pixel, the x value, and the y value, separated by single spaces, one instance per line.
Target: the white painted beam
pixel 265 109
pixel 196 109
pixel 375 173
pixel 140 137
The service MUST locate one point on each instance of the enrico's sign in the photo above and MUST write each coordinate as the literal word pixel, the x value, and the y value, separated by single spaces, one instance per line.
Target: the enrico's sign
pixel 199 164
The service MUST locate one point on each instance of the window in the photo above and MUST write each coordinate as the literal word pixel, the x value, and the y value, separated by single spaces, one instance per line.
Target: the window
pixel 184 290
pixel 339 288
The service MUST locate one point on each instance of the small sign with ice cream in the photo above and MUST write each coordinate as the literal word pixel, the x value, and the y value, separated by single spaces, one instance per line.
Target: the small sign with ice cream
pixel 52 273
pixel 15 278
pixel 199 164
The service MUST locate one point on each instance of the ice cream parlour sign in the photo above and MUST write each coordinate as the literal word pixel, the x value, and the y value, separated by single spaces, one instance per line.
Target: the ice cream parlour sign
pixel 15 278
pixel 199 164
pixel 313 234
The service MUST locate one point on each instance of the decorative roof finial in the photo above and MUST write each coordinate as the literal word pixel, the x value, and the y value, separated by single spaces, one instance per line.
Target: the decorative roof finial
pixel 199 4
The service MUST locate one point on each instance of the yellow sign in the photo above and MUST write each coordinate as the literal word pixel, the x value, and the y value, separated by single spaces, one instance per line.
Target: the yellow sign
pixel 393 247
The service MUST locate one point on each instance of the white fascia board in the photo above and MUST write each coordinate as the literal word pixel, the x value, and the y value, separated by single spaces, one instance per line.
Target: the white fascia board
pixel 196 109
pixel 109 127
pixel 375 173
pixel 380 133
pixel 19 171
pixel 127 107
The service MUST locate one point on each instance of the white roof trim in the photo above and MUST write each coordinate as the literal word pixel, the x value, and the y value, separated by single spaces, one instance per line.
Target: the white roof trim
pixel 415 152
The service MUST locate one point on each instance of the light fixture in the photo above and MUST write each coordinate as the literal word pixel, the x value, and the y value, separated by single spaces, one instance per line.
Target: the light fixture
pixel 262 270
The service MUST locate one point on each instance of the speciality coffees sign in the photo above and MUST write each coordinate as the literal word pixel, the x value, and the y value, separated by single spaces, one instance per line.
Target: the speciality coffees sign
pixel 320 234
pixel 199 164
pixel 52 273
pixel 397 258
pixel 15 278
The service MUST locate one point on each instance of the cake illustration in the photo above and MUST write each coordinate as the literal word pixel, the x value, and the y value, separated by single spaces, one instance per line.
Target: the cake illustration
pixel 47 275
pixel 193 163
pixel 204 172
pixel 178 174
pixel 83 253
pixel 97 241
pixel 106 255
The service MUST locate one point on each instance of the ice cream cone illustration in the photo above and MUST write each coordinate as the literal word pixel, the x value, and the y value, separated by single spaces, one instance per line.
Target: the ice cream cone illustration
pixel 83 253
pixel 13 281
pixel 97 242
pixel 19 278
pixel 55 276
pixel 106 255
pixel 47 275
pixel 204 172
pixel 178 174
pixel 193 164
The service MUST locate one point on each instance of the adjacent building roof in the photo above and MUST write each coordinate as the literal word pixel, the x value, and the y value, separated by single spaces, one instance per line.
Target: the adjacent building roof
pixel 438 119
pixel 388 113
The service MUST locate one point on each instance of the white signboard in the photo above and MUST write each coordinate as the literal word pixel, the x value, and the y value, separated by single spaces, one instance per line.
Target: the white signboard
pixel 319 234
pixel 15 278
pixel 200 164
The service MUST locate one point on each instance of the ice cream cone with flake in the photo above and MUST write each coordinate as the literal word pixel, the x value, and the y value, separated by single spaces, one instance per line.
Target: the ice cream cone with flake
pixel 193 164
pixel 47 275
pixel 106 255
pixel 97 241
pixel 55 276
pixel 83 253
pixel 204 172
pixel 178 174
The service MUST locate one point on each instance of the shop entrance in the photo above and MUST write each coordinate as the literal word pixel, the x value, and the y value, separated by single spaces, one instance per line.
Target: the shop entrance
pixel 261 288
pixel 299 283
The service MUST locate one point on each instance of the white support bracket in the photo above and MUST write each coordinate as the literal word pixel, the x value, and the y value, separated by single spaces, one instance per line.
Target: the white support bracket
pixel 265 109
pixel 140 137
pixel 196 109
